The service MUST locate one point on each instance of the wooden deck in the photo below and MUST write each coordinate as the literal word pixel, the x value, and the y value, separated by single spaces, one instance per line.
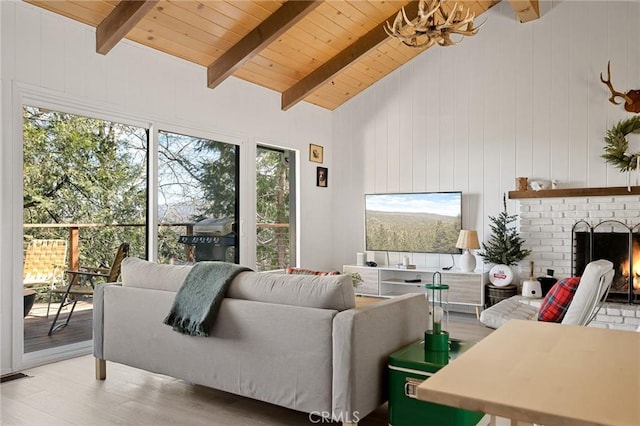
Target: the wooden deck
pixel 36 327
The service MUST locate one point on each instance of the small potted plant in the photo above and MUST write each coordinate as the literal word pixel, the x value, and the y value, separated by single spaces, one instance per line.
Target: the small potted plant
pixel 504 248
pixel 356 279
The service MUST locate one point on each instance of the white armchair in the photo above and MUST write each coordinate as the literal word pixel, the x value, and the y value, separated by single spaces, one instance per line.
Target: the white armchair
pixel 594 285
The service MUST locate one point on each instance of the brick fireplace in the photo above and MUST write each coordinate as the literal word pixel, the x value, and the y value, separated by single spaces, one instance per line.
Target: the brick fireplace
pixel 548 225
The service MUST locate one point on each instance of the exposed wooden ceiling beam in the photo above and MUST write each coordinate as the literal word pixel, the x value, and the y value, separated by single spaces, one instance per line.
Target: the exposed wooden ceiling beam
pixel 119 22
pixel 526 10
pixel 260 37
pixel 333 66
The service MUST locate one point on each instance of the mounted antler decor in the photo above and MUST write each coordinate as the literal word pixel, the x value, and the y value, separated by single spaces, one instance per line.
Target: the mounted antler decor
pixel 432 25
pixel 631 98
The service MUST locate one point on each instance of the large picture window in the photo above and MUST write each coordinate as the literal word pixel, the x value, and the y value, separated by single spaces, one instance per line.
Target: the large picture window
pixel 197 199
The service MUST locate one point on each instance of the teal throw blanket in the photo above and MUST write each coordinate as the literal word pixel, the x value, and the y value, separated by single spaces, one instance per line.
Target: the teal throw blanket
pixel 197 302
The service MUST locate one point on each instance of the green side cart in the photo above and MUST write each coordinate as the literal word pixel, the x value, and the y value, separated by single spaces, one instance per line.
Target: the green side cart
pixel 410 366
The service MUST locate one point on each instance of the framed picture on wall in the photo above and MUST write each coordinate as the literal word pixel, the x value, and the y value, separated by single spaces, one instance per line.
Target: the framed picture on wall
pixel 322 177
pixel 315 153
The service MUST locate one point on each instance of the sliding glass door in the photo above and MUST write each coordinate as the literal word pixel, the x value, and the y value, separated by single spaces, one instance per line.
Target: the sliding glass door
pixel 85 193
pixel 275 208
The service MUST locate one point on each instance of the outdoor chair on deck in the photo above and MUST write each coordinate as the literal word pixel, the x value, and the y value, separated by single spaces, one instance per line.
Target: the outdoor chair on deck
pixel 81 283
pixel 582 309
pixel 44 265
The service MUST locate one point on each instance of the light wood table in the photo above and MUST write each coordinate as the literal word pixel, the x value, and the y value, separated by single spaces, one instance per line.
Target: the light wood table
pixel 546 373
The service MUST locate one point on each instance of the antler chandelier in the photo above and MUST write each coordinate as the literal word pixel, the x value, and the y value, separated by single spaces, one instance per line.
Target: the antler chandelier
pixel 432 25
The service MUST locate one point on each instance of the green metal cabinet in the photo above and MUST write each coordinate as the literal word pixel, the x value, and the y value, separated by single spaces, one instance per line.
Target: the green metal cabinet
pixel 409 367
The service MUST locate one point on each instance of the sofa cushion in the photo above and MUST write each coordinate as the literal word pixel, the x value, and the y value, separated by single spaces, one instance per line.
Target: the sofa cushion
pixel 144 274
pixel 557 301
pixel 512 308
pixel 313 291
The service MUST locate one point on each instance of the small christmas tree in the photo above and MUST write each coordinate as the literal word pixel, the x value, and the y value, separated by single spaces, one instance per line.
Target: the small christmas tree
pixel 505 245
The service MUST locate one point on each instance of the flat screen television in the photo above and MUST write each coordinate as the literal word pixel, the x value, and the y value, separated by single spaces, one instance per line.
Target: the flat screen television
pixel 418 222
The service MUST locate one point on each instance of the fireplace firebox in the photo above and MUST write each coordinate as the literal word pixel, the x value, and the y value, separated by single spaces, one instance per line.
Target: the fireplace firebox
pixel 616 242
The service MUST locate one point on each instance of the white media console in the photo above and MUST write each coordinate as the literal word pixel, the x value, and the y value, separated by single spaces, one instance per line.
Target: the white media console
pixel 465 288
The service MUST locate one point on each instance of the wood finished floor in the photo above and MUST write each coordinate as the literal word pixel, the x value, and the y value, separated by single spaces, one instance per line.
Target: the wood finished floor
pixel 66 393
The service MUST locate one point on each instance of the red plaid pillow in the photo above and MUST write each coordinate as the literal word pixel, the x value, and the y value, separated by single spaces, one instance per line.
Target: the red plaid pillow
pixel 302 271
pixel 557 301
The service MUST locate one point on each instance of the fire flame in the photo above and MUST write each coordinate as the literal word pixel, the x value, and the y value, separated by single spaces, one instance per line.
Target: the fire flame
pixel 624 267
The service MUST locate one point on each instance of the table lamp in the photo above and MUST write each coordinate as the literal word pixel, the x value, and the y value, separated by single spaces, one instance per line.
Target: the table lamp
pixel 436 340
pixel 467 240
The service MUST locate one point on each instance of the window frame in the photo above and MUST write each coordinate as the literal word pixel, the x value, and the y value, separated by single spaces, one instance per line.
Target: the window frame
pixel 22 94
pixel 293 199
pixel 238 194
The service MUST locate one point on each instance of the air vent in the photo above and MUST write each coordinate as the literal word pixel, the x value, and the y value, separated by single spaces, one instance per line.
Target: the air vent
pixel 12 376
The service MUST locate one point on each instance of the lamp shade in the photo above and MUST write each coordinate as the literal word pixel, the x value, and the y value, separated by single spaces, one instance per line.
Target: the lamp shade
pixel 468 240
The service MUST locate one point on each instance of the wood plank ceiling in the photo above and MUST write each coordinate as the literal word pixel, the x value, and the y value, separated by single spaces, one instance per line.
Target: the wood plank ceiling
pixel 322 52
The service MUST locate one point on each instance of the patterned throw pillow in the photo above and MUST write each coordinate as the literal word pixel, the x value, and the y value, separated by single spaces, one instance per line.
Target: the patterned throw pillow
pixel 302 271
pixel 557 301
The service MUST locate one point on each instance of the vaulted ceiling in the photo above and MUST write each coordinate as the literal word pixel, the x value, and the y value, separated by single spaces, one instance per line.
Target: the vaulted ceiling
pixel 322 52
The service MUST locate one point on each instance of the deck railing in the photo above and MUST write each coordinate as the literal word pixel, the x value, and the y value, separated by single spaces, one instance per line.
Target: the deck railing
pixel 74 236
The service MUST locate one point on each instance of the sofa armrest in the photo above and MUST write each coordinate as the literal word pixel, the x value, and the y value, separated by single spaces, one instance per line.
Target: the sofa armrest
pixel 98 319
pixel 363 339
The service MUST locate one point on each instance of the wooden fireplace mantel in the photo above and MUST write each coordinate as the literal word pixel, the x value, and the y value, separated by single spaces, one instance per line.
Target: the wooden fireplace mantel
pixel 575 192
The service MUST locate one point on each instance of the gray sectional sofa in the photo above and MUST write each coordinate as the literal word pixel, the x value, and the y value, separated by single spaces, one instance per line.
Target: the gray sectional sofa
pixel 297 341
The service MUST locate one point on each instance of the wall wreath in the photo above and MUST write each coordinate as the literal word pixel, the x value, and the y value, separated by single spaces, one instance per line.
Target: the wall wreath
pixel 617 145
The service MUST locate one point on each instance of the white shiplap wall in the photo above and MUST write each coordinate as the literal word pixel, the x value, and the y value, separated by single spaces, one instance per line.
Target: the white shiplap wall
pixel 50 57
pixel 515 100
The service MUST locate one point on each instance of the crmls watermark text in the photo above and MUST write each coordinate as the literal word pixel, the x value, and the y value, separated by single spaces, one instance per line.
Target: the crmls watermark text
pixel 318 417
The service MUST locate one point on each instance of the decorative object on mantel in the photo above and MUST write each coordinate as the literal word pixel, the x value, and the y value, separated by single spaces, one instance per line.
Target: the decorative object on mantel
pixel 522 184
pixel 616 150
pixel 433 25
pixel 539 185
pixel 467 240
pixel 504 248
pixel 631 98
pixel 542 185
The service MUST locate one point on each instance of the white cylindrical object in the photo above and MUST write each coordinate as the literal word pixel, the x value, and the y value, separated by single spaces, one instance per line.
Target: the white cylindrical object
pixel 360 259
pixel 405 261
pixel 532 289
pixel 501 275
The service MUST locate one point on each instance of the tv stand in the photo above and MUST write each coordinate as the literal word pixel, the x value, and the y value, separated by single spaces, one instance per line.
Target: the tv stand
pixel 465 288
